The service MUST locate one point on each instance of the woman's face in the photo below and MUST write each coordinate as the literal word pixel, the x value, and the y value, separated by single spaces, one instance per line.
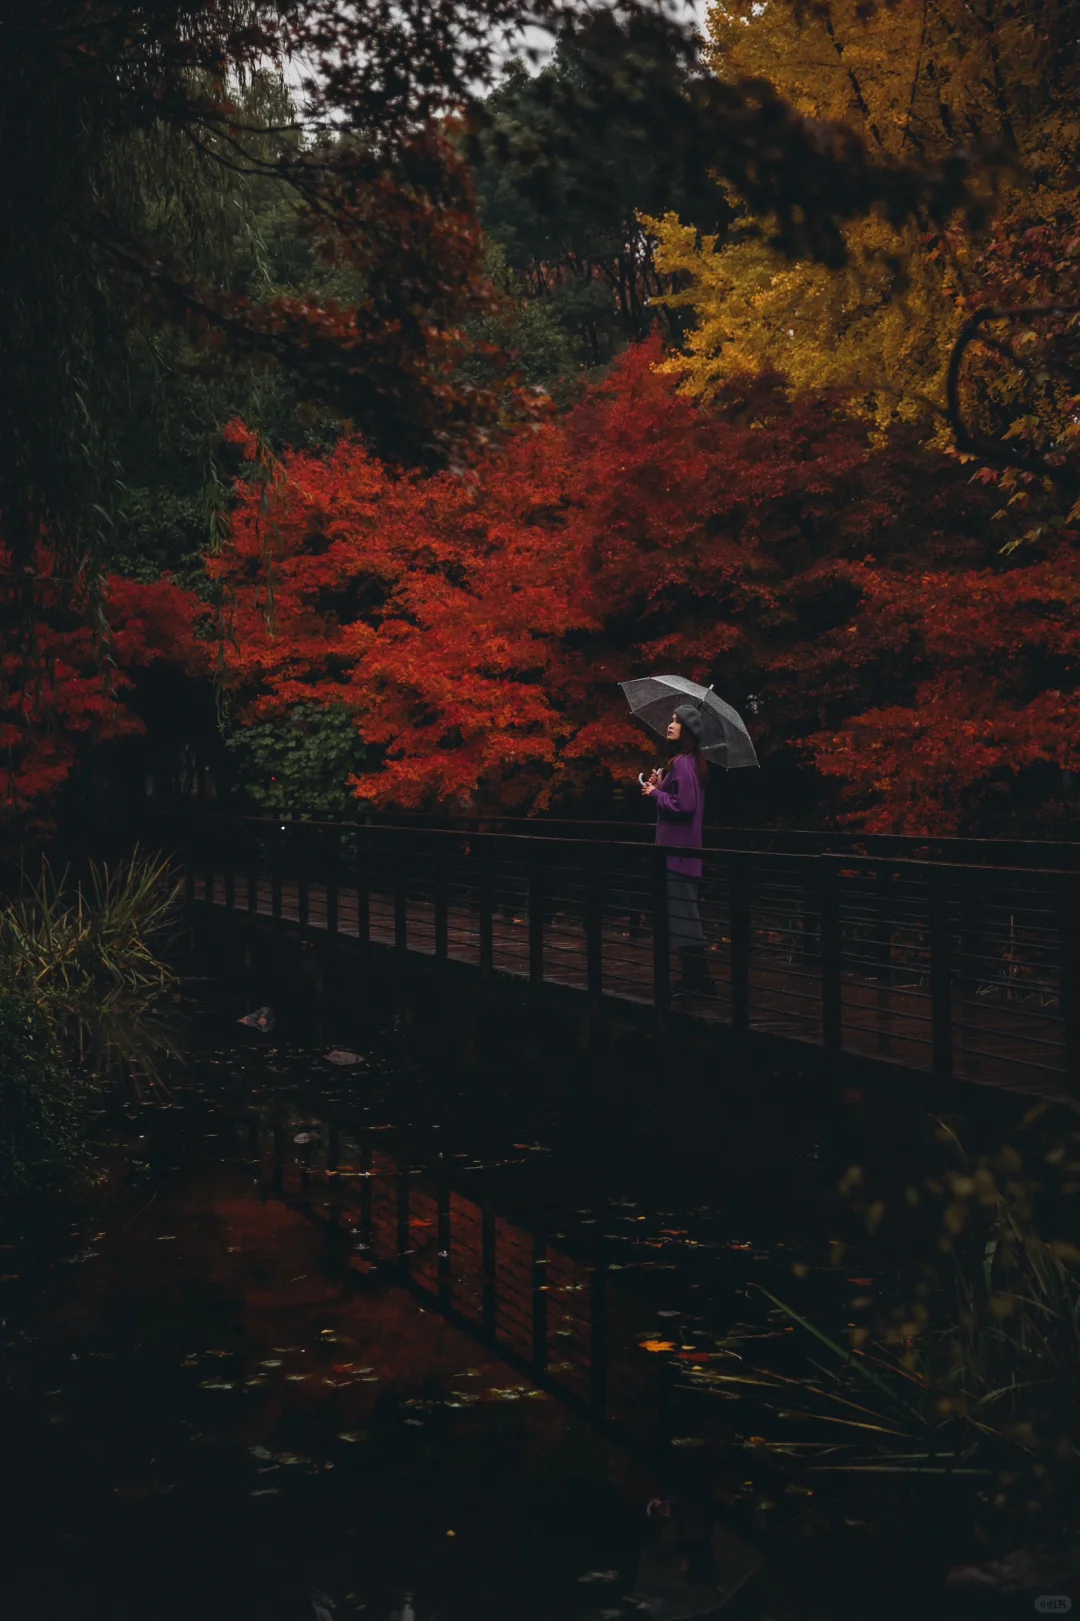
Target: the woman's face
pixel 674 730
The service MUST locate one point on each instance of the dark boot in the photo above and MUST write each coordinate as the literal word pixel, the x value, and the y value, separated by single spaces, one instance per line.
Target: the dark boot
pixel 696 979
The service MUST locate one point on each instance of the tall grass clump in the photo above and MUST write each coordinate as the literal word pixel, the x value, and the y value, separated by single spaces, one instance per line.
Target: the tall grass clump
pixel 88 954
pixel 952 1365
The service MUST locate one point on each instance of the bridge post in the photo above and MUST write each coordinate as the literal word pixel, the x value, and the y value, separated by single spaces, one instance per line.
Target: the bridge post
pixel 403 1232
pixel 594 939
pixel 253 880
pixel 491 1298
pixel 486 919
pixel 275 875
pixel 598 1341
pixel 230 870
pixel 536 924
pixel 401 904
pixel 445 1268
pixel 661 940
pixel 1069 975
pixel 539 1321
pixel 739 931
pixel 442 913
pixel 940 978
pixel 362 880
pixel 883 947
pixel 832 1028
pixel 300 842
pixel 332 863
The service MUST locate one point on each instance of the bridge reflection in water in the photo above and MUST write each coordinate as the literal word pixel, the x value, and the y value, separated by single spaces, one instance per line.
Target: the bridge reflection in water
pixel 564 1321
pixel 572 1329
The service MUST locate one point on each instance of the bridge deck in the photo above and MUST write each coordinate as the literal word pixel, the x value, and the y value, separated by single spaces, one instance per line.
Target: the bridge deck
pixel 999 1010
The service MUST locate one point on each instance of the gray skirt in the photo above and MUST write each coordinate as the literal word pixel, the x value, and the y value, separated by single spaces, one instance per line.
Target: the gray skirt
pixel 684 920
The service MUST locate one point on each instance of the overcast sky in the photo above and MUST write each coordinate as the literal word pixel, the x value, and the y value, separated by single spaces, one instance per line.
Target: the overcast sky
pixel 694 10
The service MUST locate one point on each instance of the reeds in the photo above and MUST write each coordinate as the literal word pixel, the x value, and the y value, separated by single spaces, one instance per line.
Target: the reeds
pixel 87 954
pixel 962 1358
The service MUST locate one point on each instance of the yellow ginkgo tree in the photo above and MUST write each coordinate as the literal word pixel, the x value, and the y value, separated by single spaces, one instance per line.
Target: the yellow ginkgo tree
pixel 925 78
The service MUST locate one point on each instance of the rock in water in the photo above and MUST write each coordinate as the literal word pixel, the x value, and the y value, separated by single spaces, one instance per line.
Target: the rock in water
pixel 262 1019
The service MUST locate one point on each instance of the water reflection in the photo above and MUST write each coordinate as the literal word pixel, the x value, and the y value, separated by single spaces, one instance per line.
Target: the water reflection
pixel 285 1370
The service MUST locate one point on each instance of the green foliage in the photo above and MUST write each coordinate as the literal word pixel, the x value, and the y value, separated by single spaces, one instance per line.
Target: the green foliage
pixel 44 1103
pixel 299 765
pixel 240 230
pixel 561 184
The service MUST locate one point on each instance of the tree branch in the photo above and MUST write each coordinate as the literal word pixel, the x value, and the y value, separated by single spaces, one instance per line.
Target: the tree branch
pixel 996 451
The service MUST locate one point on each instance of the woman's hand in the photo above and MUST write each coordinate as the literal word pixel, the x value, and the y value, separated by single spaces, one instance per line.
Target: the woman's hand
pixel 649 788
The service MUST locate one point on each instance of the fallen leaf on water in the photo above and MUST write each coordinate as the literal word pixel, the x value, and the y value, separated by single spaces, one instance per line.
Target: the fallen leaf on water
pixel 297 1378
pixel 267 1491
pixel 599 1576
pixel 215 1384
pixel 260 1452
pixel 271 1362
pixel 687 1441
pixel 302 1137
pixel 166 1238
pixel 658 1345
pixel 353 1436
pixel 341 1055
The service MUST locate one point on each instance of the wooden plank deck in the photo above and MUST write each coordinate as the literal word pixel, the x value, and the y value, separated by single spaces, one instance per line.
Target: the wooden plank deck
pixel 1010 1043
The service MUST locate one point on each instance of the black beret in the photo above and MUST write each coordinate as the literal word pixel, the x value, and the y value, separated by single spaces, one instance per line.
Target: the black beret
pixel 690 716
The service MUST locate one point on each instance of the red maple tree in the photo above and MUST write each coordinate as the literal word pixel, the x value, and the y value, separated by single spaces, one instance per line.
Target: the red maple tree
pixel 477 625
pixel 67 656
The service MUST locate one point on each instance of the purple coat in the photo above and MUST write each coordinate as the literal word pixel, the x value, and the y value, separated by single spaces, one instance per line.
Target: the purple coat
pixel 680 807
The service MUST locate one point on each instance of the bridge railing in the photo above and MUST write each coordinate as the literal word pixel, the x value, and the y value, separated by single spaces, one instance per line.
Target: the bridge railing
pixel 958 970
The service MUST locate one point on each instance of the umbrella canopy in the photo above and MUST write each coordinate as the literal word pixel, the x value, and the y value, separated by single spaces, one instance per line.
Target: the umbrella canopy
pixel 724 738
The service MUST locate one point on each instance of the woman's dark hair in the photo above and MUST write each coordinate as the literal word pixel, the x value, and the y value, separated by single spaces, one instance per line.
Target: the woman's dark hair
pixel 690 745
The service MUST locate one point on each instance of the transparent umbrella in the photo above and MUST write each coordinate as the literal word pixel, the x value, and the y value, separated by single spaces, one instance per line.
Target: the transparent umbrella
pixel 724 738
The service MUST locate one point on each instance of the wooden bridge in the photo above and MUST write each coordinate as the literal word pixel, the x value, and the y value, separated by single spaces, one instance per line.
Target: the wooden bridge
pixel 931 956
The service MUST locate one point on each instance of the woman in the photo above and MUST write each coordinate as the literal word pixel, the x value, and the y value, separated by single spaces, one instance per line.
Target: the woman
pixel 679 795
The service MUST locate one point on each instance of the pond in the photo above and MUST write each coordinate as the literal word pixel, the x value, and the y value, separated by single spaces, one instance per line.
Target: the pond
pixel 360 1330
